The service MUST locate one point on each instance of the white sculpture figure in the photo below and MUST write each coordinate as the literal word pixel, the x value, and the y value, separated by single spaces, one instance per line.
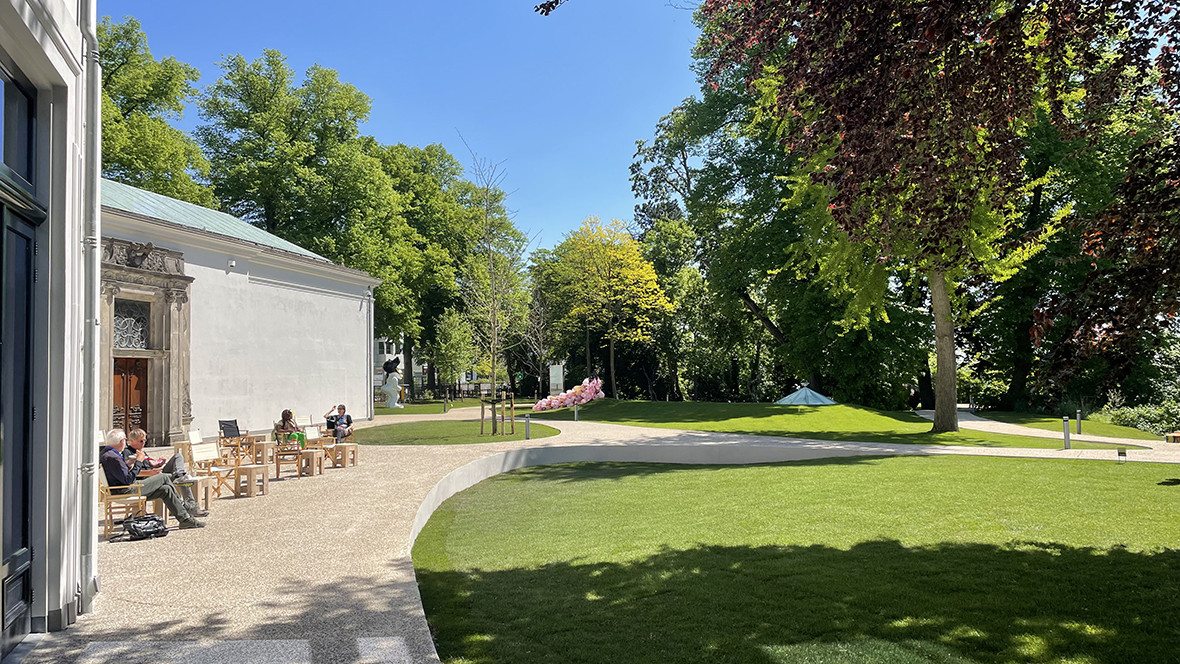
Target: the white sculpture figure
pixel 392 386
pixel 392 389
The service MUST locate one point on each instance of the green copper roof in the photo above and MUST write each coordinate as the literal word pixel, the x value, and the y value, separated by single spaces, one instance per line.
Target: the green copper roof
pixel 137 201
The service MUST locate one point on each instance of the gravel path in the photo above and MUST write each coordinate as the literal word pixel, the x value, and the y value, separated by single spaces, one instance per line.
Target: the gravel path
pixel 319 570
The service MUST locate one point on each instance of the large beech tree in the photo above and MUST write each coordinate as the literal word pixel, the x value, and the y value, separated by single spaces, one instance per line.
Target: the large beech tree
pixel 911 114
pixel 141 96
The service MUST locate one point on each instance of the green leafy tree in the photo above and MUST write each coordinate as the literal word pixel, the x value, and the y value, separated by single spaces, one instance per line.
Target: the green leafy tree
pixel 452 352
pixel 910 115
pixel 290 158
pixel 443 208
pixel 610 285
pixel 493 280
pixel 141 97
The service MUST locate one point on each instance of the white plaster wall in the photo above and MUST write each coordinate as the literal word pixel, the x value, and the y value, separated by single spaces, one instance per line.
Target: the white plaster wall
pixel 265 337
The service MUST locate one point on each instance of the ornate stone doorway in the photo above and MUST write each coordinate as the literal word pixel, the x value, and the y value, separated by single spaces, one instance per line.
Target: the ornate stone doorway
pixel 145 323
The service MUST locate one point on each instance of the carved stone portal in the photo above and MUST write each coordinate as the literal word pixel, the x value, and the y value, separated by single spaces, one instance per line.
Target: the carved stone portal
pixel 152 292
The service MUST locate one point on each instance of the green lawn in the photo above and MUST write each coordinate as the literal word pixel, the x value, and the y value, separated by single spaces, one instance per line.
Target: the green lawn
pixel 442 433
pixel 891 560
pixel 1049 423
pixel 424 407
pixel 841 422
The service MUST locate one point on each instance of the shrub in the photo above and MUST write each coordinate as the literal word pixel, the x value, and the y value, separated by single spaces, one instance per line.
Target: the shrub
pixel 1159 419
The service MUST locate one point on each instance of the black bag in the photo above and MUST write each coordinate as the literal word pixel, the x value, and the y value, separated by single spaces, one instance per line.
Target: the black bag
pixel 145 526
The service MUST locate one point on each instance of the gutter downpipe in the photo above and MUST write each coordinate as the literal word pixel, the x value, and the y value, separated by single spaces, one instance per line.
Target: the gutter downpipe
pixel 91 179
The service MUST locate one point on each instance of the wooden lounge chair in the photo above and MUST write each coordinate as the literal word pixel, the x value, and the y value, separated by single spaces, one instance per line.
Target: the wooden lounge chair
pixel 119 502
pixel 226 465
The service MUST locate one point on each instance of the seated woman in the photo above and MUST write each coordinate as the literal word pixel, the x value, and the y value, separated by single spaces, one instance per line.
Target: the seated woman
pixel 286 429
pixel 339 422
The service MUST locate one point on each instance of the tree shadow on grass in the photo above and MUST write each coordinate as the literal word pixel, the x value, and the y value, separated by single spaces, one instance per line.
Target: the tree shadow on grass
pixel 597 471
pixel 880 601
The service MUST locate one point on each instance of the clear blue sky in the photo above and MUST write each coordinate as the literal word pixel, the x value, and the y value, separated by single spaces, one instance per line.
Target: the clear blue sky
pixel 560 100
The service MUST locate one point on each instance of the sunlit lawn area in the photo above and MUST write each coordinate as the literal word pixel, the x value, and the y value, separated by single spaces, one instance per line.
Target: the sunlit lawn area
pixel 442 433
pixel 433 407
pixel 1050 423
pixel 840 422
pixel 907 559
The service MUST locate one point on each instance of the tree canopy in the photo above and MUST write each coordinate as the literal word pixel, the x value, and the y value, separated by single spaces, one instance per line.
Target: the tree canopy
pixel 141 97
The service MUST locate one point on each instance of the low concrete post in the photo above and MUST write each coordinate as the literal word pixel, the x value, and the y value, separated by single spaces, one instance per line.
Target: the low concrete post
pixel 1065 429
pixel 528 417
pixel 575 412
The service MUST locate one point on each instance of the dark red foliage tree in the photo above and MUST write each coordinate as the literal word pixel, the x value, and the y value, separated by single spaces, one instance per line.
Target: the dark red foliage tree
pixel 913 112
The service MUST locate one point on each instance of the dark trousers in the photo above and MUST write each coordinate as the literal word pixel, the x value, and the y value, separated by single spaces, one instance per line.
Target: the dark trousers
pixel 160 487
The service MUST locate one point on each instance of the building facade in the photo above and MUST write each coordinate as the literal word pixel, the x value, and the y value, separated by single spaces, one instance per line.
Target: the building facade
pixel 206 317
pixel 49 297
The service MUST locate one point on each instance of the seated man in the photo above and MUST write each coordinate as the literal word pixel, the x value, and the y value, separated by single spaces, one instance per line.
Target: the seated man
pixel 138 461
pixel 339 423
pixel 120 473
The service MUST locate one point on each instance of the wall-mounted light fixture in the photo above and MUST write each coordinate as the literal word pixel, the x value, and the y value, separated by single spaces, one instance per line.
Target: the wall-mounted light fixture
pixel 232 263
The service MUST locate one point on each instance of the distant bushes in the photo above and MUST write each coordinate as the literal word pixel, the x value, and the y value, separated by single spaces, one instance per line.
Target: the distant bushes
pixel 1160 419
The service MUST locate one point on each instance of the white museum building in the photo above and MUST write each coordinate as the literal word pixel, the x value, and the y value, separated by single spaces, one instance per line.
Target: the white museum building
pixel 206 317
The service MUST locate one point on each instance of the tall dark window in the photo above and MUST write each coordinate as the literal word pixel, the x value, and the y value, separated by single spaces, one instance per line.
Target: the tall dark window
pixel 17 103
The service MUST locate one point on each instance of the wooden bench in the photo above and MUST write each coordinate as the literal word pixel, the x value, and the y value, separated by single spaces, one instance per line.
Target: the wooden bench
pixel 1173 437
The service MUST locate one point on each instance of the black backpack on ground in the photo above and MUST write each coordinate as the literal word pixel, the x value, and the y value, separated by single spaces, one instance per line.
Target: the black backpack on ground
pixel 145 526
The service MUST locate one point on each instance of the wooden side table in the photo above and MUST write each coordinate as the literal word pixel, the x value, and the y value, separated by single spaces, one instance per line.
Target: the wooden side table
pixel 263 451
pixel 252 474
pixel 202 486
pixel 311 462
pixel 346 454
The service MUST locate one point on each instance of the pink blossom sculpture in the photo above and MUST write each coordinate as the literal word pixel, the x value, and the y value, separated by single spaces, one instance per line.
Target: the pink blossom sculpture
pixel 588 391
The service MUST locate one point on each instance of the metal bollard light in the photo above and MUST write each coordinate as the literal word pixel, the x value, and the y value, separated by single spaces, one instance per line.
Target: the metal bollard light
pixel 575 412
pixel 528 417
pixel 1079 421
pixel 1065 429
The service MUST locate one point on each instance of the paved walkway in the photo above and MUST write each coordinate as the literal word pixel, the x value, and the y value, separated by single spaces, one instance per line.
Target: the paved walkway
pixel 969 420
pixel 319 571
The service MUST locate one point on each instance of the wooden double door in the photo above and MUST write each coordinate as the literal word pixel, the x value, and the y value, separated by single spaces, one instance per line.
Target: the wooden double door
pixel 130 393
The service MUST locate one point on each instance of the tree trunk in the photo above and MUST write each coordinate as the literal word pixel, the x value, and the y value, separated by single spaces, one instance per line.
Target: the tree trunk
pixel 614 388
pixel 926 389
pixel 735 378
pixel 753 307
pixel 431 377
pixel 674 370
pixel 946 399
pixel 408 351
pixel 589 367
